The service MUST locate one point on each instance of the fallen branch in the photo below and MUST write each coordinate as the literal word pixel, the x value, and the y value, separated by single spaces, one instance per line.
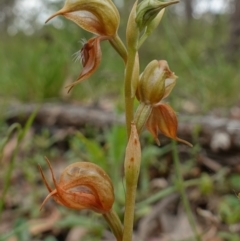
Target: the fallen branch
pixel 221 134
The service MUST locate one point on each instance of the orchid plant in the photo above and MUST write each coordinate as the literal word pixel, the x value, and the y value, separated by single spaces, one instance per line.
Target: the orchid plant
pixel 85 185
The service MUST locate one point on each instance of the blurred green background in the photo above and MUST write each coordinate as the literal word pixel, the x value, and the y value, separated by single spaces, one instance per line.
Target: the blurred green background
pixel 199 39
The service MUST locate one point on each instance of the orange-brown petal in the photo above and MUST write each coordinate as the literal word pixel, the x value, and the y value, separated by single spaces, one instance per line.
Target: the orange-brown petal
pixel 44 179
pixel 88 178
pixel 52 193
pixel 90 56
pixel 167 120
pixel 47 197
pixel 152 127
pixel 164 119
pixel 80 200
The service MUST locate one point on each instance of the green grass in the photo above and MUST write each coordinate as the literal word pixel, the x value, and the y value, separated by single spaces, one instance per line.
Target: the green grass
pixel 198 57
pixel 37 67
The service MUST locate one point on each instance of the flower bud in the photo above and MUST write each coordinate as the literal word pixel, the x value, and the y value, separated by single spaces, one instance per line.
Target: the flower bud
pixel 147 10
pixel 156 82
pixel 155 22
pixel 82 185
pixel 132 157
pixel 100 17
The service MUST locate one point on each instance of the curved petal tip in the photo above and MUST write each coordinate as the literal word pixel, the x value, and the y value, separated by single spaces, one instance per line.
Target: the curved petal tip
pixel 185 142
pixel 54 15
pixel 48 196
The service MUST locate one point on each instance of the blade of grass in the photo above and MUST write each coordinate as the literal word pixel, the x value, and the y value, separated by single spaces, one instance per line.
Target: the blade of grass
pixel 21 134
pixel 181 189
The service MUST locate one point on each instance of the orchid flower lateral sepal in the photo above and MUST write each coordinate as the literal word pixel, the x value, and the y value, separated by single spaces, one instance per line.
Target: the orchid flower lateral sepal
pixel 90 56
pixel 99 17
pixel 82 185
pixel 164 120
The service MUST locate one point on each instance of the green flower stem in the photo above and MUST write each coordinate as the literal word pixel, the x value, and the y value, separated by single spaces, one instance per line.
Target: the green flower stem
pixel 118 45
pixel 132 165
pixel 115 224
pixel 142 39
pixel 180 187
pixel 129 100
pixel 129 60
pixel 129 212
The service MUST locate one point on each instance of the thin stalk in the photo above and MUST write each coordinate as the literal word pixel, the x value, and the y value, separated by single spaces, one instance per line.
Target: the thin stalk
pixel 115 224
pixel 129 212
pixel 131 169
pixel 142 39
pixel 129 60
pixel 129 100
pixel 180 187
pixel 118 45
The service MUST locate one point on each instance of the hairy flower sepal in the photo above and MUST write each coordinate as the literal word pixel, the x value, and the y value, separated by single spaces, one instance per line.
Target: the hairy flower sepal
pixel 82 185
pixel 90 56
pixel 100 17
pixel 147 10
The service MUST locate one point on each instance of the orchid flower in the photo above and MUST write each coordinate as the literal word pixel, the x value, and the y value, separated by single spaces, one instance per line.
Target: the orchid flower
pixel 99 17
pixel 82 185
pixel 155 84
